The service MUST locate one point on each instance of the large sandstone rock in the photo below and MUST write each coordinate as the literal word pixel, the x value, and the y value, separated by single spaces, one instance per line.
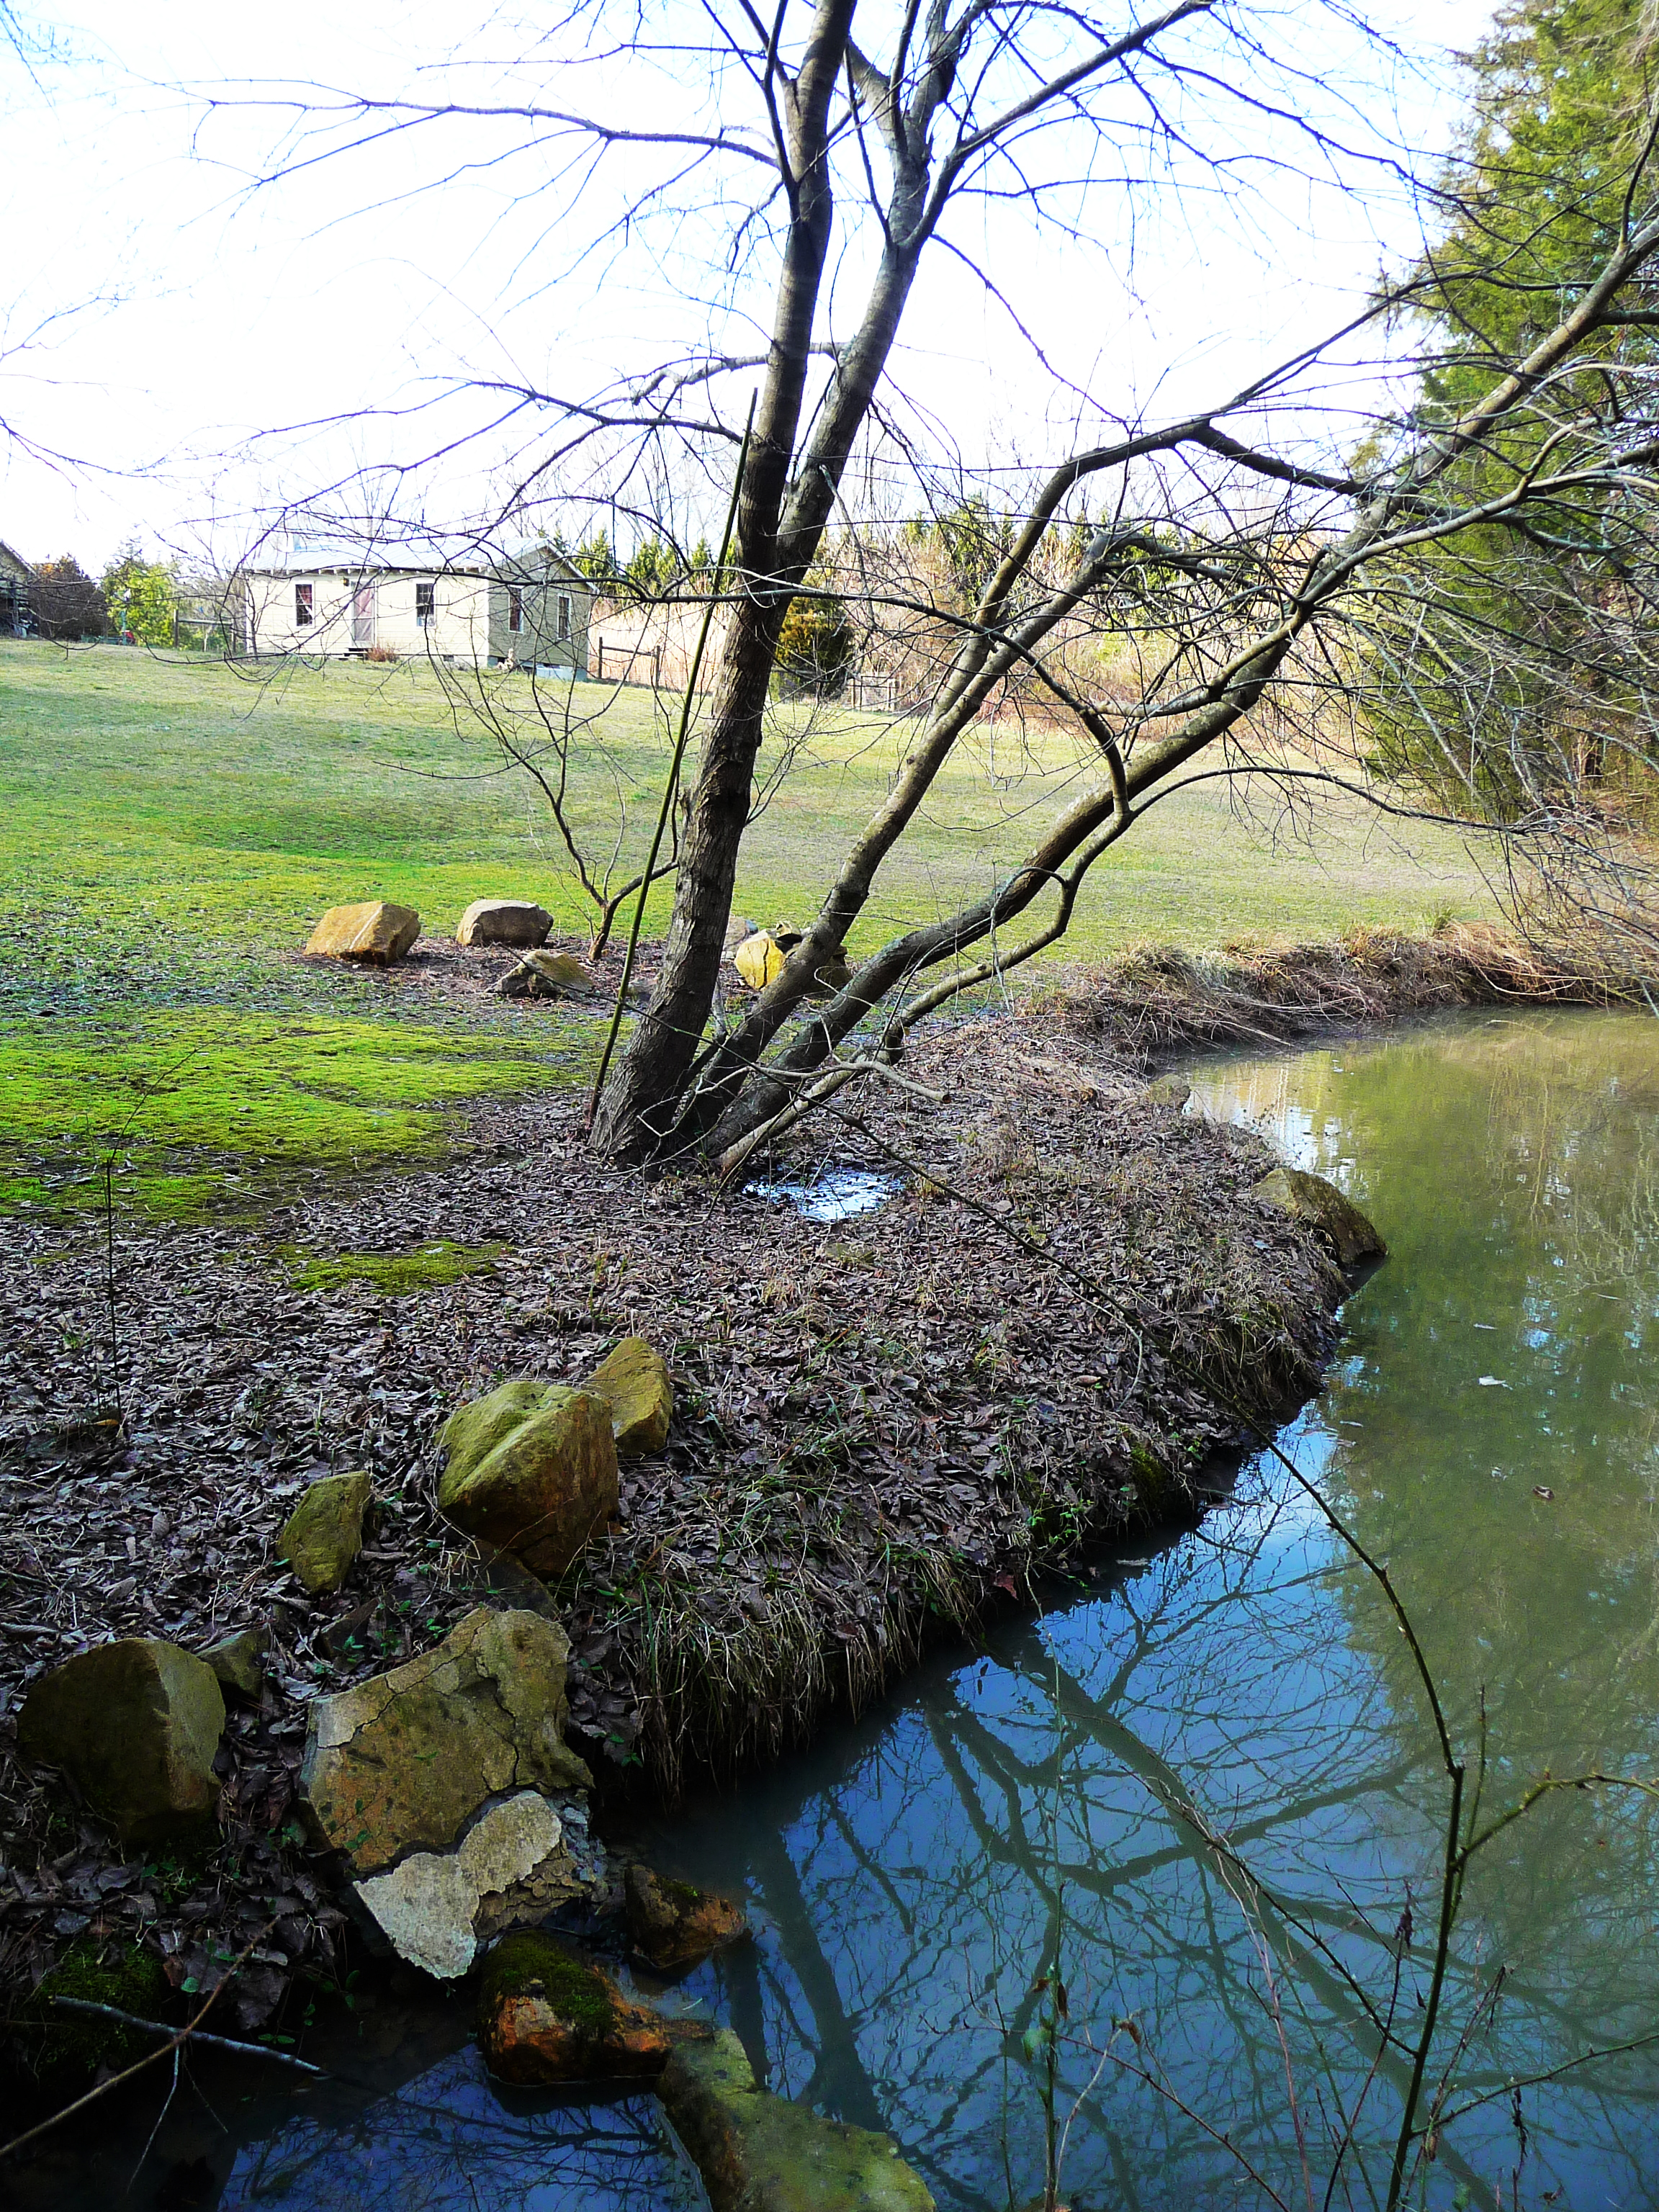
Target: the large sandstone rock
pixel 759 959
pixel 547 2016
pixel 636 1384
pixel 504 921
pixel 549 976
pixel 1311 1199
pixel 374 932
pixel 758 2153
pixel 673 1925
pixel 137 1725
pixel 515 1862
pixel 530 1468
pixel 403 1762
pixel 325 1533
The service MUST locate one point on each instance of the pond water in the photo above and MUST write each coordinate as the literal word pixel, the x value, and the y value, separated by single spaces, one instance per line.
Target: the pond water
pixel 1204 1788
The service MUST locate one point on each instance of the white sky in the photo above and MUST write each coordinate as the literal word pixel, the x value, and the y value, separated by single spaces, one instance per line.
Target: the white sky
pixel 176 315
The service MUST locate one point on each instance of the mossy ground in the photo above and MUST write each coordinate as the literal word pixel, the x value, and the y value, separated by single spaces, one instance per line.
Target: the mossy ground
pixel 171 828
pixel 65 2049
pixel 398 1274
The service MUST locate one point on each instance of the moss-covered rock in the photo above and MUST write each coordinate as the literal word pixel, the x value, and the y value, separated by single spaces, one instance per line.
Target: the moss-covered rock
pixel 547 2016
pixel 239 1662
pixel 530 1468
pixel 403 1761
pixel 504 921
pixel 325 1533
pixel 549 976
pixel 635 1382
pixel 1311 1199
pixel 137 1724
pixel 1169 1091
pixel 674 1924
pixel 758 2153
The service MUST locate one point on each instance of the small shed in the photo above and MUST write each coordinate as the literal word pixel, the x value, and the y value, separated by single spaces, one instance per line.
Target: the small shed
pixel 527 610
pixel 14 574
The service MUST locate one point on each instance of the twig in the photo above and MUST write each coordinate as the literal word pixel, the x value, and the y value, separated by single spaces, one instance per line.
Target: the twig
pixel 219 2042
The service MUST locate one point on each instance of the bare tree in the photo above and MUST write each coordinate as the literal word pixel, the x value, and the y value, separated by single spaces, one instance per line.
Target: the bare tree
pixel 1180 597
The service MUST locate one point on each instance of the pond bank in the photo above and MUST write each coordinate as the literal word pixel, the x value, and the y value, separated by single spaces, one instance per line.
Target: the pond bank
pixel 886 1427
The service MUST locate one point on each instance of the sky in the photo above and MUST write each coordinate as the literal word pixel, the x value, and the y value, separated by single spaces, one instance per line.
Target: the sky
pixel 168 325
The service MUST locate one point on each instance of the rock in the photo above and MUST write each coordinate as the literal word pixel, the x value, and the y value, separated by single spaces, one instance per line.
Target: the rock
pixel 403 1761
pixel 374 932
pixel 1311 1199
pixel 737 929
pixel 634 1381
pixel 831 974
pixel 548 975
pixel 239 1662
pixel 758 2153
pixel 513 1861
pixel 546 2015
pixel 136 1724
pixel 759 959
pixel 1169 1091
pixel 325 1533
pixel 504 921
pixel 672 1924
pixel 531 1468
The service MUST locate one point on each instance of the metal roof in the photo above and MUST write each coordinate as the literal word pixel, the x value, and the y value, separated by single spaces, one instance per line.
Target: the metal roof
pixel 411 557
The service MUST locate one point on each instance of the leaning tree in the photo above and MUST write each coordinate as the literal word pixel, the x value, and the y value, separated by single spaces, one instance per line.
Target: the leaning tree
pixel 1178 595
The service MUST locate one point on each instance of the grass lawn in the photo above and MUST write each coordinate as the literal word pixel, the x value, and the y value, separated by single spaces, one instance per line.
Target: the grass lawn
pixel 169 830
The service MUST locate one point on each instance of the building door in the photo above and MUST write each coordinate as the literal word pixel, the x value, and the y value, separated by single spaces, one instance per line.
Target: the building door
pixel 362 618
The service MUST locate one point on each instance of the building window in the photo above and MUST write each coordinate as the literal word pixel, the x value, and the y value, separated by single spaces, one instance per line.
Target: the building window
pixel 301 605
pixel 515 611
pixel 564 619
pixel 423 593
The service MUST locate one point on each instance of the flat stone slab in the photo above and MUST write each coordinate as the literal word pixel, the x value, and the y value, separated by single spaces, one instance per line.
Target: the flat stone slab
pixel 402 1762
pixel 515 1861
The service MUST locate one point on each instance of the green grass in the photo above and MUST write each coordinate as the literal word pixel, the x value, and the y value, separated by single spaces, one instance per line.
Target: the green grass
pixel 171 829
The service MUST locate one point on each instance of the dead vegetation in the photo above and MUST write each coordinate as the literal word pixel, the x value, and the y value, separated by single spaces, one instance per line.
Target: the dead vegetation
pixel 1157 1001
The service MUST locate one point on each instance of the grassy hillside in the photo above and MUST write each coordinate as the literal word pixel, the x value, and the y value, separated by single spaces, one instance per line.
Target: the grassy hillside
pixel 169 830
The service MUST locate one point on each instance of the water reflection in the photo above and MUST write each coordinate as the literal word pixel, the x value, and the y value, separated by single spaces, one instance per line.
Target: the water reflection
pixel 1066 1792
pixel 450 2140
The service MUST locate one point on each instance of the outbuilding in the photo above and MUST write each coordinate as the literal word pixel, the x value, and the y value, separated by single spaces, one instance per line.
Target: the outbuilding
pixel 14 593
pixel 526 609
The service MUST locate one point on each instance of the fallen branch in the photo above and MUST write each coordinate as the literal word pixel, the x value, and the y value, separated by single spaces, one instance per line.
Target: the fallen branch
pixel 219 2042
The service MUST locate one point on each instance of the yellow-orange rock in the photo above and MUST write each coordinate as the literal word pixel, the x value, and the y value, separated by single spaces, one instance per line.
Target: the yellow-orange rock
pixel 531 1468
pixel 673 1925
pixel 635 1382
pixel 374 932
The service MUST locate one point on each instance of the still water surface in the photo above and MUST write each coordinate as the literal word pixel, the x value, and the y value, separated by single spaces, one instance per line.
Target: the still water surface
pixel 1063 1795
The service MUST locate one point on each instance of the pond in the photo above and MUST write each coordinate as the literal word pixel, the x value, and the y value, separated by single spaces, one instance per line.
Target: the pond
pixel 1204 1791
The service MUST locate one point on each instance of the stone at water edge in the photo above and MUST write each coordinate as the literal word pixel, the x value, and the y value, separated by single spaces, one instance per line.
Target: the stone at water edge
pixel 1311 1199
pixel 504 921
pixel 673 1925
pixel 136 1724
pixel 373 932
pixel 513 1864
pixel 635 1382
pixel 1169 1091
pixel 548 2016
pixel 403 1761
pixel 239 1662
pixel 757 2153
pixel 548 975
pixel 325 1533
pixel 530 1468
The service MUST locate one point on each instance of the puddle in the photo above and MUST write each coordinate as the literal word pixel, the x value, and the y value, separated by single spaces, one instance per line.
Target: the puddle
pixel 836 1195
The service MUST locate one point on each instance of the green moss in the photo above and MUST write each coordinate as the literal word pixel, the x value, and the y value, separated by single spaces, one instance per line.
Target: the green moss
pixel 65 2049
pixel 398 1274
pixel 531 1964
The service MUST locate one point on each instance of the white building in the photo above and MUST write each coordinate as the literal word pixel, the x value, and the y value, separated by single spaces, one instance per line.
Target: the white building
pixel 528 610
